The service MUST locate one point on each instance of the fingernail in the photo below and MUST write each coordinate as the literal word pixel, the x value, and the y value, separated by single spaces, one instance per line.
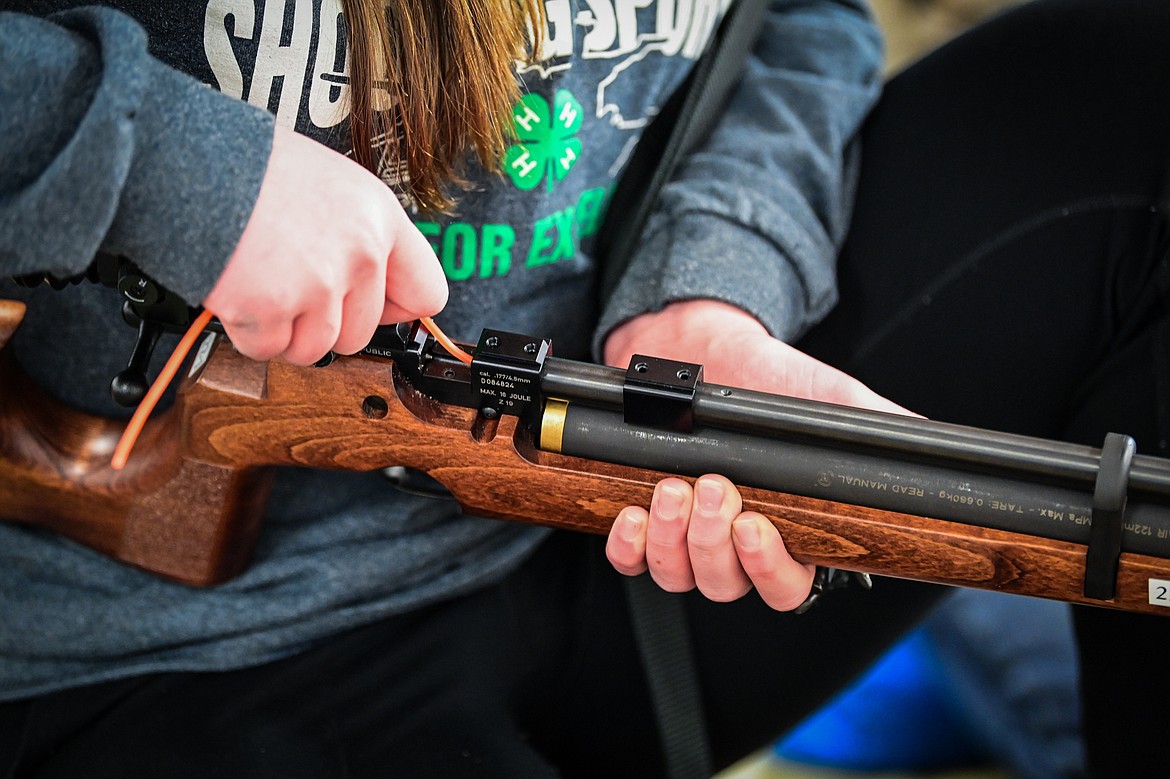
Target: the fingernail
pixel 631 527
pixel 670 501
pixel 747 534
pixel 710 496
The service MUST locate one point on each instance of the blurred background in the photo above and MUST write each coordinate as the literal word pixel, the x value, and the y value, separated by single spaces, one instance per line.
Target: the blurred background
pixel 914 27
pixel 957 699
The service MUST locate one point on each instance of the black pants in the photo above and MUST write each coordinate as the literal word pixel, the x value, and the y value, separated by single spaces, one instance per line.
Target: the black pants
pixel 1007 268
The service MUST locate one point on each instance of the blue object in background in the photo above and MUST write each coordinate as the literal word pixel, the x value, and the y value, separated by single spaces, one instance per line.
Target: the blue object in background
pixel 987 678
pixel 898 716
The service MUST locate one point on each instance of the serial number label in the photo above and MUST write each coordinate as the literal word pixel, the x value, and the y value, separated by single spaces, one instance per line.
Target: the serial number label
pixel 1160 592
pixel 507 391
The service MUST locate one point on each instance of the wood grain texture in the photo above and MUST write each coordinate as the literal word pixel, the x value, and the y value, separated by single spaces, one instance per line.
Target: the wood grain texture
pixel 188 506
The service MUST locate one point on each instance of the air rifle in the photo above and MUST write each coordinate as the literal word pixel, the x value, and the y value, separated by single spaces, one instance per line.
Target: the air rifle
pixel 524 436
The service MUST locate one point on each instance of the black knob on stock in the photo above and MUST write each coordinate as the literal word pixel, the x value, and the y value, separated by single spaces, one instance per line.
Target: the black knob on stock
pixel 130 386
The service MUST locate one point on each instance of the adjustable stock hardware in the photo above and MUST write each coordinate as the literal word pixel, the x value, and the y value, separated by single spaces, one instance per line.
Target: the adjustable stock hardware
pixel 145 304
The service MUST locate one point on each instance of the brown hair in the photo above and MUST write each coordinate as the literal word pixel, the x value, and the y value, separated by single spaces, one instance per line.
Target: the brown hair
pixel 448 67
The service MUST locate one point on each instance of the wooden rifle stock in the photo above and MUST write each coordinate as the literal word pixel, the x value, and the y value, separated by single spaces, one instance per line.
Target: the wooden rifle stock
pixel 189 504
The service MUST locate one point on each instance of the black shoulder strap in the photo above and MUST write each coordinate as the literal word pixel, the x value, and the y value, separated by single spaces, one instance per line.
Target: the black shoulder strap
pixel 685 121
pixel 659 618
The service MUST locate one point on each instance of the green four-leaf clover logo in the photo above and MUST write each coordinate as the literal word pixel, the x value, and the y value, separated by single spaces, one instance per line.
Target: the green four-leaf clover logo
pixel 545 142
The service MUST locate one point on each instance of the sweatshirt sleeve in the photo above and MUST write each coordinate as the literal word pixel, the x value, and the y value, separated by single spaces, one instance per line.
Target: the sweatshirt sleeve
pixel 755 216
pixel 103 147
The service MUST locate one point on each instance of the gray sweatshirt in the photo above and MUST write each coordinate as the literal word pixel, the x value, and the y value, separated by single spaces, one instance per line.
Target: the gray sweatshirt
pixel 146 132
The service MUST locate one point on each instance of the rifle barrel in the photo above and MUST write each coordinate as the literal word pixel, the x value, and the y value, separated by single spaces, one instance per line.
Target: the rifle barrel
pixel 718 407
